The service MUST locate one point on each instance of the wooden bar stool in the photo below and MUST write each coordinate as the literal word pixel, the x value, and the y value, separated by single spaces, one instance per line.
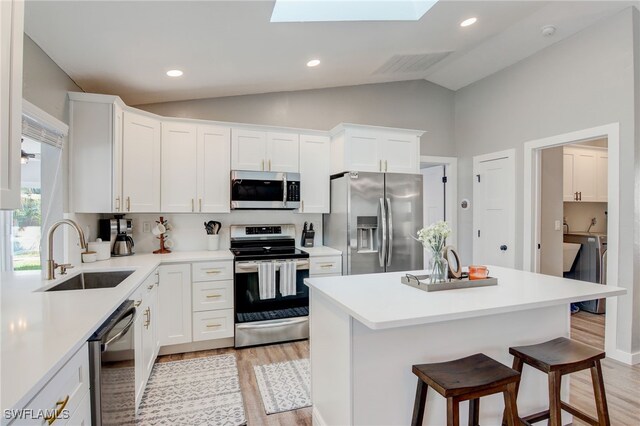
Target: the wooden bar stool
pixel 556 358
pixel 466 379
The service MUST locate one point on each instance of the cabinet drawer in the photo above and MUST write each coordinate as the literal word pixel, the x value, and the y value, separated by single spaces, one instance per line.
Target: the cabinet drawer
pixel 212 295
pixel 325 265
pixel 65 391
pixel 212 324
pixel 213 271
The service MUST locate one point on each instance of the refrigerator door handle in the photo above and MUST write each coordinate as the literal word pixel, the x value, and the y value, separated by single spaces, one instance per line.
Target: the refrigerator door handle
pixel 389 249
pixel 382 233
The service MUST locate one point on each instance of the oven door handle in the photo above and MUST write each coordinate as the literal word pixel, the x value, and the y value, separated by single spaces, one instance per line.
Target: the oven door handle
pixel 121 333
pixel 278 323
pixel 250 267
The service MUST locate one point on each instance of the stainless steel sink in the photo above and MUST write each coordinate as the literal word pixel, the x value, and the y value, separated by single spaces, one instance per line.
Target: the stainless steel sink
pixel 89 280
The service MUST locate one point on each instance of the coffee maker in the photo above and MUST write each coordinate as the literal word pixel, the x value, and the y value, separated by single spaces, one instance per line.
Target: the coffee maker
pixel 119 232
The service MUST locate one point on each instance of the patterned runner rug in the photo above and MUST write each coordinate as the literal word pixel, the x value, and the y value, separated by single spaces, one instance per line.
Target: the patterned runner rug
pixel 284 386
pixel 200 391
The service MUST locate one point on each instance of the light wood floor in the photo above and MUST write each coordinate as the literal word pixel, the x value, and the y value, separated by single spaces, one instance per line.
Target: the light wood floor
pixel 622 382
pixel 249 357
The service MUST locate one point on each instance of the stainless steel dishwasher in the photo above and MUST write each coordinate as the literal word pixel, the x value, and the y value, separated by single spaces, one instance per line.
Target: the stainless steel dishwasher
pixel 112 368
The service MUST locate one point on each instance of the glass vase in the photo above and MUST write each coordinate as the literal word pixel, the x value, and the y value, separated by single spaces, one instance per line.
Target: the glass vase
pixel 439 268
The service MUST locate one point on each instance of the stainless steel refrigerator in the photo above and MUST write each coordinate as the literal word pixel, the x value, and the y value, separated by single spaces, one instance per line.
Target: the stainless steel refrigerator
pixel 373 218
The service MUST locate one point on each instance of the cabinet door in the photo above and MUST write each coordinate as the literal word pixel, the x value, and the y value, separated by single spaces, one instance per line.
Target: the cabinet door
pixel 400 153
pixel 141 163
pixel 363 152
pixel 568 192
pixel 116 191
pixel 314 174
pixel 248 150
pixel 282 152
pixel 149 341
pixel 11 36
pixel 179 161
pixel 584 174
pixel 174 299
pixel 602 179
pixel 214 147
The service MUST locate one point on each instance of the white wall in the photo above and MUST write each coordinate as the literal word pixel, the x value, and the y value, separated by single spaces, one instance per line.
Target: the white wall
pixel 584 81
pixel 409 104
pixel 579 216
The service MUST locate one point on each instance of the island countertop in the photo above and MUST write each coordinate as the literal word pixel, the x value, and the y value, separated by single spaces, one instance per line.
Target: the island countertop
pixel 380 301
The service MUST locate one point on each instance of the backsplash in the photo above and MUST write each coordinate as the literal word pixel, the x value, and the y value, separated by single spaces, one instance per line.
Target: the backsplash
pixel 188 233
pixel 579 216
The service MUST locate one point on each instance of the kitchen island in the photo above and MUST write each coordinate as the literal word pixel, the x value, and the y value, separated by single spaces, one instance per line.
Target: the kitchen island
pixel 368 330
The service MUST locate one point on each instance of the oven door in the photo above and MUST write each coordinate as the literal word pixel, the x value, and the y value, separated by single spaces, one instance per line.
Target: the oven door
pixel 280 319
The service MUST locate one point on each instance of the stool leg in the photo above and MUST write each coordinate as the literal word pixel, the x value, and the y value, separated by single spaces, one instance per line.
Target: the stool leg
pixel 419 404
pixel 555 412
pixel 598 391
pixel 511 408
pixel 518 364
pixel 453 412
pixel 474 412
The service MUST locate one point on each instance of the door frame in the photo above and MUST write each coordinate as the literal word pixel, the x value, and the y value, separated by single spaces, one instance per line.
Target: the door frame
pixel 532 203
pixel 451 190
pixel 510 155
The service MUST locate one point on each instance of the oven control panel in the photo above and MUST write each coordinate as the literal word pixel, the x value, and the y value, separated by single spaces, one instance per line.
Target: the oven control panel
pixel 263 230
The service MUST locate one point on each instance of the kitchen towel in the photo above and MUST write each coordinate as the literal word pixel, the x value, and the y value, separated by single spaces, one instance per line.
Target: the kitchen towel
pixel 288 278
pixel 267 280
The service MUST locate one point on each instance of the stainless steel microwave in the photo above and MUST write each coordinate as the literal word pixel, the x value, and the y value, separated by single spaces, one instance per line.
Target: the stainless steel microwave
pixel 265 190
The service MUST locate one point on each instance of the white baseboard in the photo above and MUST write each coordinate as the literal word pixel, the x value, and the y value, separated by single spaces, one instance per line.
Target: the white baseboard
pixel 204 345
pixel 316 418
pixel 624 357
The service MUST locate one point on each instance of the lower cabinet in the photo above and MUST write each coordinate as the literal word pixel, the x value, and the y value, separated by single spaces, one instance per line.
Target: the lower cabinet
pixel 146 332
pixel 325 266
pixel 66 394
pixel 174 298
pixel 209 325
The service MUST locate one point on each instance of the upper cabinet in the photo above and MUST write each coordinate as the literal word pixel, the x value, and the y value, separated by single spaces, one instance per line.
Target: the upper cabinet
pixel 314 174
pixel 141 163
pixel 374 149
pixel 264 151
pixel 11 36
pixel 195 168
pixel 585 174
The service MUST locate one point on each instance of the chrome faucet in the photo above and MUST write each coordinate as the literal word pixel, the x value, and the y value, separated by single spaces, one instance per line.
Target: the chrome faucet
pixel 51 264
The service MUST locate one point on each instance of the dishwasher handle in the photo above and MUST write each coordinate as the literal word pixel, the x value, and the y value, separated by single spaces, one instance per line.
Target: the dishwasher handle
pixel 130 312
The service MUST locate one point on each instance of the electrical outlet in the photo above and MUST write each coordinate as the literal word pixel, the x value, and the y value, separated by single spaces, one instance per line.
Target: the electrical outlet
pixel 146 226
pixel 558 225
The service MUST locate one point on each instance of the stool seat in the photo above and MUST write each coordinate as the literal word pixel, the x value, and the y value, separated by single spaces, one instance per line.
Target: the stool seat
pixel 559 354
pixel 461 376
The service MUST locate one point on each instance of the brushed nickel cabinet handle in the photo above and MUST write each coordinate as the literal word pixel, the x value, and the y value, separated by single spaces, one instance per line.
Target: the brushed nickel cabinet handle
pixel 386 166
pixel 200 204
pixel 128 204
pixel 269 164
pixel 192 206
pixel 213 271
pixel 302 205
pixel 381 166
pixel 213 325
pixel 59 408
pixel 117 204
pixel 213 296
pixel 327 265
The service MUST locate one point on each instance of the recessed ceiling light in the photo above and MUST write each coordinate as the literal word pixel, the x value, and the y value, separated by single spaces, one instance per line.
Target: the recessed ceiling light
pixel 468 22
pixel 313 63
pixel 174 73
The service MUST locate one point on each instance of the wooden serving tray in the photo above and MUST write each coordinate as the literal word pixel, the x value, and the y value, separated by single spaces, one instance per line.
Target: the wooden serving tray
pixel 421 282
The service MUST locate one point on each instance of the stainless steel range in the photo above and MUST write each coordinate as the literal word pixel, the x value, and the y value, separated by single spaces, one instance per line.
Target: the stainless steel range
pixel 271 299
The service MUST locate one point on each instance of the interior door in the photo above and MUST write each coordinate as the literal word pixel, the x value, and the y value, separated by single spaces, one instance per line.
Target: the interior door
pixel 433 193
pixel 494 212
pixel 403 194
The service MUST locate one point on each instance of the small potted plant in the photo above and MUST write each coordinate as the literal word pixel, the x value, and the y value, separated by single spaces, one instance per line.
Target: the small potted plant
pixel 433 238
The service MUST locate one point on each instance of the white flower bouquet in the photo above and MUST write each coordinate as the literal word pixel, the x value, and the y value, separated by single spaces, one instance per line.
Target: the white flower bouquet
pixel 434 237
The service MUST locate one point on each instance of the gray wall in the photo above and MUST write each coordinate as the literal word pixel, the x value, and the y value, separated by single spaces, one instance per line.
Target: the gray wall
pixel 551 210
pixel 408 104
pixel 44 84
pixel 584 81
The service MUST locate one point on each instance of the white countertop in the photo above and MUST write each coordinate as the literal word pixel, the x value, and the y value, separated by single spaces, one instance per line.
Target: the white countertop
pixel 42 330
pixel 319 251
pixel 380 301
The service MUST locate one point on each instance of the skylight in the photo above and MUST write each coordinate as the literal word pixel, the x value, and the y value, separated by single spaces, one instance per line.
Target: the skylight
pixel 349 10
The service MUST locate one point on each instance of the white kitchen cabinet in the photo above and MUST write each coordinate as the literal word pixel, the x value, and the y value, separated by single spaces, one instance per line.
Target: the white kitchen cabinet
pixel 195 168
pixel 213 152
pixel 315 158
pixel 141 146
pixel 585 174
pixel 325 266
pixel 146 331
pixel 11 37
pixel 374 149
pixel 264 151
pixel 67 392
pixel 174 300
pixel 179 164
